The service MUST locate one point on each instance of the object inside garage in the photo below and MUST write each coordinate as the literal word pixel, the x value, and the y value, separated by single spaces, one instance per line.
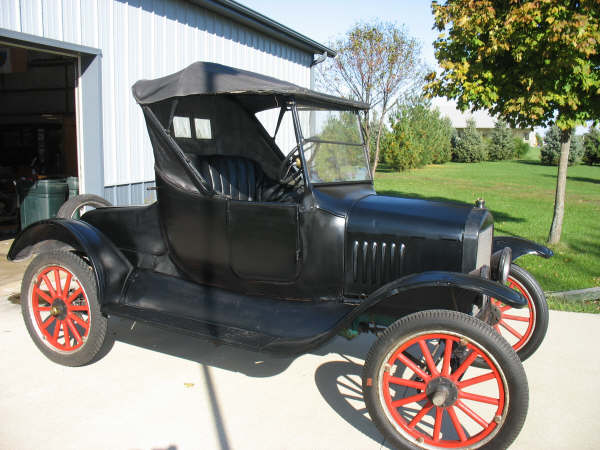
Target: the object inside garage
pixel 38 136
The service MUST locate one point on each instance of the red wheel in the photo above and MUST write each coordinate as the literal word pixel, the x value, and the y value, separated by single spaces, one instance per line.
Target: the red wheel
pixel 442 394
pixel 60 309
pixel 423 390
pixel 524 328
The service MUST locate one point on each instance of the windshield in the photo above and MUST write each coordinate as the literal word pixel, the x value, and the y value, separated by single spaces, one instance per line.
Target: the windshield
pixel 333 146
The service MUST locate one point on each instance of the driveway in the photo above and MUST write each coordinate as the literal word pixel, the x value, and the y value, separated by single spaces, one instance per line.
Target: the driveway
pixel 159 390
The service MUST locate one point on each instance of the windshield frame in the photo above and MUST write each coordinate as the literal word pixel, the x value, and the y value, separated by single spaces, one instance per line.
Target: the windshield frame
pixel 301 140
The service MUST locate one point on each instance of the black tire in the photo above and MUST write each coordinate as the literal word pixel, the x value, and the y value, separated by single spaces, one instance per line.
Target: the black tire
pixel 51 312
pixel 506 418
pixel 71 207
pixel 534 332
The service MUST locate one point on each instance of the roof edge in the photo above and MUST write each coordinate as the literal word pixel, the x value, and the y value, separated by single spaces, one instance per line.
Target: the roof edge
pixel 253 19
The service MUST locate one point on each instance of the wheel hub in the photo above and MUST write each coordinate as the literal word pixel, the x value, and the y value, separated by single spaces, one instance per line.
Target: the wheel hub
pixel 442 392
pixel 59 309
pixel 495 315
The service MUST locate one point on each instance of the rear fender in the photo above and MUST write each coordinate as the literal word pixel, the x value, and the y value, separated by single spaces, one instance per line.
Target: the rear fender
pixel 520 247
pixel 443 280
pixel 110 266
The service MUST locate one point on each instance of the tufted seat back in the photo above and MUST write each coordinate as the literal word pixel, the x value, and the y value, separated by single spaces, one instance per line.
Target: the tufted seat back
pixel 232 176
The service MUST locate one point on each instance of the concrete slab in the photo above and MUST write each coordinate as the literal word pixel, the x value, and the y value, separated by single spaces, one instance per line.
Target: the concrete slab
pixel 10 273
pixel 159 390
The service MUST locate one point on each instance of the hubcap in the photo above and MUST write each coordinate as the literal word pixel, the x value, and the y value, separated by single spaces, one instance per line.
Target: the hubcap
pixel 59 309
pixel 442 391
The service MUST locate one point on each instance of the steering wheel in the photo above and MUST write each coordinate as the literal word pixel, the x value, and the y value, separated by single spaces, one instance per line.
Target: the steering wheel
pixel 290 175
pixel 290 170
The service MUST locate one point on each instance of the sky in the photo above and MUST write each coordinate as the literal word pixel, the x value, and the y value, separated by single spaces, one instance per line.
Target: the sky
pixel 326 20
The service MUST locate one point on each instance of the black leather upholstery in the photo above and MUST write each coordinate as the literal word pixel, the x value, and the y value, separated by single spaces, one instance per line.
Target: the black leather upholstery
pixel 241 178
pixel 232 176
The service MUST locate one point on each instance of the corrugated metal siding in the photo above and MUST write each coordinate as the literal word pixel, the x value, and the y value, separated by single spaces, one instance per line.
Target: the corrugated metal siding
pixel 133 37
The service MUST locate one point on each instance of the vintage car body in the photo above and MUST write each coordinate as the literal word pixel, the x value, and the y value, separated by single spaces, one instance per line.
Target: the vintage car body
pixel 340 243
pixel 247 246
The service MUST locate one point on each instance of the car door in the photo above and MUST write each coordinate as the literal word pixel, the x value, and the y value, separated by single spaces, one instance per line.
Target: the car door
pixel 264 240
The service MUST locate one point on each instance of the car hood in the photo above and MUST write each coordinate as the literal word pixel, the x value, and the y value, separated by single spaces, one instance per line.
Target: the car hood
pixel 408 218
pixel 390 237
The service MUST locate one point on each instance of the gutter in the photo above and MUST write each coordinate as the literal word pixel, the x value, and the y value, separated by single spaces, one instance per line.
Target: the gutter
pixel 252 19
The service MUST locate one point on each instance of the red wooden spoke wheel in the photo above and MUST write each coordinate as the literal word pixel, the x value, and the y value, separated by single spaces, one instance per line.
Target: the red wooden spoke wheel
pixel 443 379
pixel 525 328
pixel 436 405
pixel 515 325
pixel 60 309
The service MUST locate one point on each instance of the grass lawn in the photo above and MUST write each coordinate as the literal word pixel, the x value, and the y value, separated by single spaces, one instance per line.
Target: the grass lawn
pixel 520 195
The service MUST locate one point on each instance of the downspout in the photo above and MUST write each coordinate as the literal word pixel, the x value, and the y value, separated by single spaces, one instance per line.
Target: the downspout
pixel 318 60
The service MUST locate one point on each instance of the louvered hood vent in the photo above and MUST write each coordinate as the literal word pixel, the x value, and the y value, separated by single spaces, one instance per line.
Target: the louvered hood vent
pixel 374 263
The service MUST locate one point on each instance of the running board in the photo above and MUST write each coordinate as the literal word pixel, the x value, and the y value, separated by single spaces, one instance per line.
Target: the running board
pixel 257 323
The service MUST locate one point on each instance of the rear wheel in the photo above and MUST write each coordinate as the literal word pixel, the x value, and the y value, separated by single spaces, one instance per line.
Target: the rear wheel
pixel 76 206
pixel 60 307
pixel 524 328
pixel 422 390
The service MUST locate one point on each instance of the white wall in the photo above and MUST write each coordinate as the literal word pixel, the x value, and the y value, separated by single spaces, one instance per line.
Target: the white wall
pixel 148 39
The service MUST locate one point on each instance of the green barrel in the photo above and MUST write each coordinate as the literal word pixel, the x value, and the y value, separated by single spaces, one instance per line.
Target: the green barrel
pixel 42 200
pixel 73 183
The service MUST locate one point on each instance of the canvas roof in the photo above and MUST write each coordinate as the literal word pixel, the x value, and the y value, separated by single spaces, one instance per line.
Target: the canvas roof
pixel 257 92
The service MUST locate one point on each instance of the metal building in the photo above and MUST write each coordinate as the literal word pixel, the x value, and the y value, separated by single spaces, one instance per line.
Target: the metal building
pixel 69 65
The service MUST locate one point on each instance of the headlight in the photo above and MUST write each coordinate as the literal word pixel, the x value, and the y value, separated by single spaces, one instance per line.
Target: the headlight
pixel 500 265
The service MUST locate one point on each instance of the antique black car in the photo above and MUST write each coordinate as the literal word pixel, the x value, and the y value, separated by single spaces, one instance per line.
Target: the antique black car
pixel 281 251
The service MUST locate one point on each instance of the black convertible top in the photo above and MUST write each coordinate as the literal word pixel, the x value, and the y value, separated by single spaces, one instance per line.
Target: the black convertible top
pixel 256 91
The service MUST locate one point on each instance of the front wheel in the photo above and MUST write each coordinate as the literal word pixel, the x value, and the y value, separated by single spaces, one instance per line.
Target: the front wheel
pixel 525 328
pixel 423 391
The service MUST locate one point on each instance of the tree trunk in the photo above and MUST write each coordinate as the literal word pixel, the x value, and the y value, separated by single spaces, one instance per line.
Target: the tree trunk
pixel 366 130
pixel 561 187
pixel 376 159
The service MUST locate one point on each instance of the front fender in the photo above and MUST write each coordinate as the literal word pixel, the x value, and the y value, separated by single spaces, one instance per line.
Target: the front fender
pixel 520 247
pixel 111 268
pixel 444 279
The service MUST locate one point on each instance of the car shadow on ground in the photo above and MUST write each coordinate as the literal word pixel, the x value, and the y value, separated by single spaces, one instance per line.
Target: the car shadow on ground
pixel 338 382
pixel 204 351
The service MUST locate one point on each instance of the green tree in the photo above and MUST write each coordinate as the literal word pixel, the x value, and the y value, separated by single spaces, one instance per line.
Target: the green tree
pixel 591 145
pixel 419 135
pixel 375 63
pixel 342 128
pixel 550 152
pixel 331 161
pixel 502 145
pixel 468 145
pixel 520 147
pixel 533 62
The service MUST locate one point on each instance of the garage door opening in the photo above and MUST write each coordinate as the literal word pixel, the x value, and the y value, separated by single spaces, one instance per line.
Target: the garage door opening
pixel 38 134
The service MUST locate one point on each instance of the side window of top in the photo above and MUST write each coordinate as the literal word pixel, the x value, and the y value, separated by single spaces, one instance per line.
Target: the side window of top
pixel 285 137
